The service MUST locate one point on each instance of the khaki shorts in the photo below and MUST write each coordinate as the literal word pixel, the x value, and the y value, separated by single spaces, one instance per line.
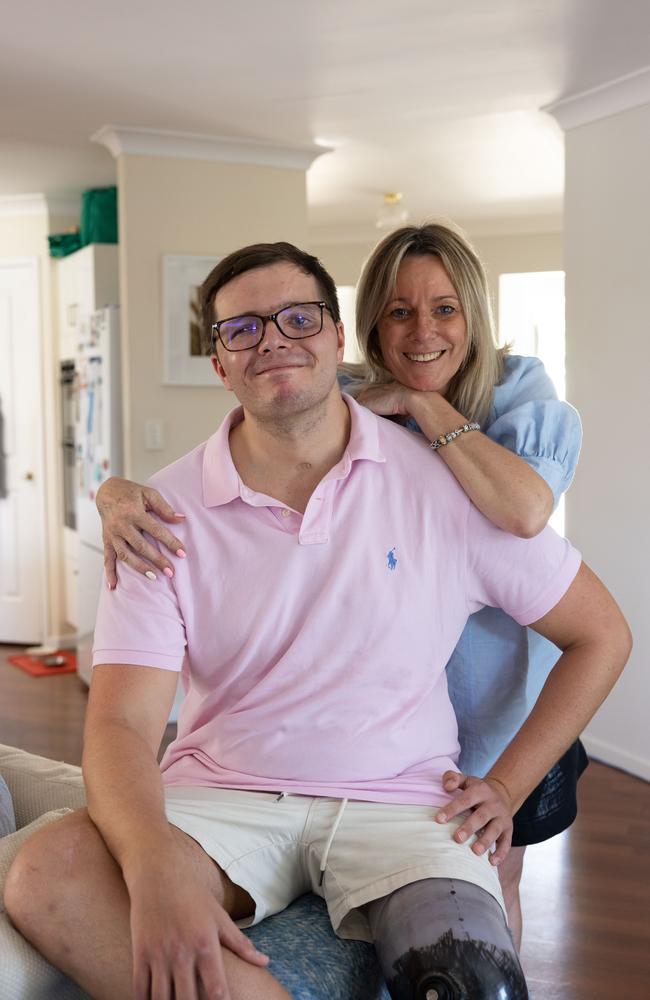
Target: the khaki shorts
pixel 274 846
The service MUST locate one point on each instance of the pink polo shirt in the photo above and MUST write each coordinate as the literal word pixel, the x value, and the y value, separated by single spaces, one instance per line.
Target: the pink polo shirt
pixel 313 647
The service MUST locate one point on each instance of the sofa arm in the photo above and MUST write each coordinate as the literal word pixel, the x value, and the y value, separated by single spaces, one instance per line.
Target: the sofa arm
pixel 38 785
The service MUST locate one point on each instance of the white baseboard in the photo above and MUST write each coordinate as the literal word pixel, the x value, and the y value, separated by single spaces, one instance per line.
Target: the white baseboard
pixel 53 643
pixel 610 754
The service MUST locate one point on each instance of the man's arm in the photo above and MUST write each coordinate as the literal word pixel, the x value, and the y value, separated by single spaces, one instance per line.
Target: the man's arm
pixel 128 708
pixel 589 628
pixel 175 920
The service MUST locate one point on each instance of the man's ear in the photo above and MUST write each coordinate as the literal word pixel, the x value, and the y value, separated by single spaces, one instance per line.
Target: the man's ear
pixel 340 335
pixel 220 370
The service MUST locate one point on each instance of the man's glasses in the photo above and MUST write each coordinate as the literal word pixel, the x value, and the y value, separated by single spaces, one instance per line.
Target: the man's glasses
pixel 296 322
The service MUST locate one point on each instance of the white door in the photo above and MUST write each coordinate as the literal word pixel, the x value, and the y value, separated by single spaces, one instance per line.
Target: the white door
pixel 22 487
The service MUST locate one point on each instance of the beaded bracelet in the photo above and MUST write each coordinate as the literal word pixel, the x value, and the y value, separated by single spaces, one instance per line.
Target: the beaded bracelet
pixel 446 438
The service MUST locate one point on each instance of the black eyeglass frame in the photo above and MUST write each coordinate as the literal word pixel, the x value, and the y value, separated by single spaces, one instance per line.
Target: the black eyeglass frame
pixel 216 327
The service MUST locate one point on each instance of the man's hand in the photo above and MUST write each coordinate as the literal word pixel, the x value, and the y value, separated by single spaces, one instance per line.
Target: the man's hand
pixel 490 813
pixel 178 929
pixel 124 509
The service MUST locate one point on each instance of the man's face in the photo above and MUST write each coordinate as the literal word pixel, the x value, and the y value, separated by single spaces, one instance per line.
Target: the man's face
pixel 279 377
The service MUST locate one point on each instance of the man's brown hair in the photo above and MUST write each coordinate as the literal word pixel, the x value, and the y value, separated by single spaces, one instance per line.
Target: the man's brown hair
pixel 263 255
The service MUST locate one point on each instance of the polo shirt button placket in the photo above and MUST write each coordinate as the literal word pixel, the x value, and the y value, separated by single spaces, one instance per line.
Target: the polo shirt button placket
pixel 287 518
pixel 318 517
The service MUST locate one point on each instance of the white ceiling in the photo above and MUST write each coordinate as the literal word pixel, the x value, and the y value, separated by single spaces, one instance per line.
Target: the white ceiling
pixel 439 99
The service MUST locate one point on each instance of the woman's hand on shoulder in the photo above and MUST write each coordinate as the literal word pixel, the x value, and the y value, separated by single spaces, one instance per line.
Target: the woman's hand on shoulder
pixel 127 510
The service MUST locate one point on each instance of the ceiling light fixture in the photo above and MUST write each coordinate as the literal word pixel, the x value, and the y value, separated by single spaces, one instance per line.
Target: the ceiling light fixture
pixel 392 212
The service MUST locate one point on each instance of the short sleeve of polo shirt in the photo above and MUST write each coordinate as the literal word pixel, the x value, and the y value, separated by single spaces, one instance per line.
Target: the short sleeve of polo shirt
pixel 525 577
pixel 140 623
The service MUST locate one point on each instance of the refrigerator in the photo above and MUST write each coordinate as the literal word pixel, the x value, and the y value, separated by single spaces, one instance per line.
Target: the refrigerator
pixel 98 455
pixel 98 446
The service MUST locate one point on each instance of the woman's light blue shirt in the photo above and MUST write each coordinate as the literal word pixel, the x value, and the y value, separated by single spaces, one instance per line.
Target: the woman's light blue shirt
pixel 498 667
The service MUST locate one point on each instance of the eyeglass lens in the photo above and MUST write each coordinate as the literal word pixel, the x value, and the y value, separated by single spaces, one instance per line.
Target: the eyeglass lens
pixel 295 322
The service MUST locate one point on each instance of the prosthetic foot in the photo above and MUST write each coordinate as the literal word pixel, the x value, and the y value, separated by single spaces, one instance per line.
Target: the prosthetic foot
pixel 443 939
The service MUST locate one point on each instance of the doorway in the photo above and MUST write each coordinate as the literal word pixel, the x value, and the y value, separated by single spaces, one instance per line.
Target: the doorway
pixel 22 486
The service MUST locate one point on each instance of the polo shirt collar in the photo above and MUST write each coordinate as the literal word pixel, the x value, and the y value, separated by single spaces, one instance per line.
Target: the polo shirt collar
pixel 364 433
pixel 221 482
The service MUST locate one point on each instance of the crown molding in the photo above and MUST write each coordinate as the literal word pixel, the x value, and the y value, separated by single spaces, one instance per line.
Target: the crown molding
pixel 14 205
pixel 622 94
pixel 123 140
pixel 21 205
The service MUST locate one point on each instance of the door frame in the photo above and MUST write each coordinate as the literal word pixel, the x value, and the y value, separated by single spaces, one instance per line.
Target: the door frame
pixel 32 266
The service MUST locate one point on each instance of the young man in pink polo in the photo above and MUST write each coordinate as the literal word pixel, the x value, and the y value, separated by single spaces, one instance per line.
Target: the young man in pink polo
pixel 338 565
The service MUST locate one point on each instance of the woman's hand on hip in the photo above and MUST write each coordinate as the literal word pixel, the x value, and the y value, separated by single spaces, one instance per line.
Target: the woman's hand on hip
pixel 490 813
pixel 127 510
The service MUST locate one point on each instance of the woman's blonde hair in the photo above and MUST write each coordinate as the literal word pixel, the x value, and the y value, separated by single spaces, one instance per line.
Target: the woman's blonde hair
pixel 471 388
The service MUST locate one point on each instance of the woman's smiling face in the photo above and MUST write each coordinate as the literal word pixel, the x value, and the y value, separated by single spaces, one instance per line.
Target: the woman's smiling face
pixel 422 330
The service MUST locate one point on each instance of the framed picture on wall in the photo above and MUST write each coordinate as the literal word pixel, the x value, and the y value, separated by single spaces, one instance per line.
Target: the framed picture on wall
pixel 184 359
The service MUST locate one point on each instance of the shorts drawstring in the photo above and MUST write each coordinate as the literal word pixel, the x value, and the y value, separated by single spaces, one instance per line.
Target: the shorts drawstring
pixel 330 839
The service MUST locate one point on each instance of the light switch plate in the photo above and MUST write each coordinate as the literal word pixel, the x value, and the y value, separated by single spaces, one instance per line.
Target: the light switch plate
pixel 154 435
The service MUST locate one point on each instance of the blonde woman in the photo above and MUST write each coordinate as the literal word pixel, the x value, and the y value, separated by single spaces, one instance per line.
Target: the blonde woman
pixel 425 328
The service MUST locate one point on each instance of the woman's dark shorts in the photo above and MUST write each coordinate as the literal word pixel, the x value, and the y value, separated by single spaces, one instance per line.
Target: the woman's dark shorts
pixel 552 806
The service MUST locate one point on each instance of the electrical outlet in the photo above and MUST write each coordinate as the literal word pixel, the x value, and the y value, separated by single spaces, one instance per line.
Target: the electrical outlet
pixel 154 435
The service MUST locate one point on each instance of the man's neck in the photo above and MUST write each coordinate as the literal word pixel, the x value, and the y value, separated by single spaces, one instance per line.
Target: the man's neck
pixel 286 458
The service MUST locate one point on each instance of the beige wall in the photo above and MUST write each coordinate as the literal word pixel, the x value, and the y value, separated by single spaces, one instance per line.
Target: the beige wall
pixel 607 252
pixel 518 253
pixel 180 206
pixel 343 260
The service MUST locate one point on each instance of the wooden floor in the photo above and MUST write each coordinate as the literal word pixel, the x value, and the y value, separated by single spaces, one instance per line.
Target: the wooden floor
pixel 586 893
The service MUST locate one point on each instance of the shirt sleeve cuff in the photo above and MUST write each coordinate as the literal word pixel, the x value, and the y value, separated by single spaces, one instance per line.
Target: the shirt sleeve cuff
pixel 554 593
pixel 552 472
pixel 138 658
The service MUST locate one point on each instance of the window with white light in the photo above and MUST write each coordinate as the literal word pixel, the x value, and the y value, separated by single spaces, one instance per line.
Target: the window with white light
pixel 531 319
pixel 347 295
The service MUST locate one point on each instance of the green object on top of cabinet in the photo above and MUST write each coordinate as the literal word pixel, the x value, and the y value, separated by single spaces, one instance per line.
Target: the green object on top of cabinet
pixel 61 244
pixel 99 215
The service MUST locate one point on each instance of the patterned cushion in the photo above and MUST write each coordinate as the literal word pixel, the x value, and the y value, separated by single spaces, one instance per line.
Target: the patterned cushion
pixel 311 962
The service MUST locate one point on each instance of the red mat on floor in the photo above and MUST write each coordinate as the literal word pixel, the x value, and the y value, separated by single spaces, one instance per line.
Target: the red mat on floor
pixel 37 666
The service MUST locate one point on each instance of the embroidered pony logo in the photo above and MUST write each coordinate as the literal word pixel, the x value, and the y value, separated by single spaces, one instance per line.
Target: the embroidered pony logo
pixel 391 559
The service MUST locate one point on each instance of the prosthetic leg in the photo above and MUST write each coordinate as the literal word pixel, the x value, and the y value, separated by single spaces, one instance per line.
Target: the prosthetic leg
pixel 443 939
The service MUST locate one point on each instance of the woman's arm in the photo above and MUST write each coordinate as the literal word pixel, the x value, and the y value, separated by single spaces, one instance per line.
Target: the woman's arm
pixel 589 628
pixel 124 508
pixel 501 484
